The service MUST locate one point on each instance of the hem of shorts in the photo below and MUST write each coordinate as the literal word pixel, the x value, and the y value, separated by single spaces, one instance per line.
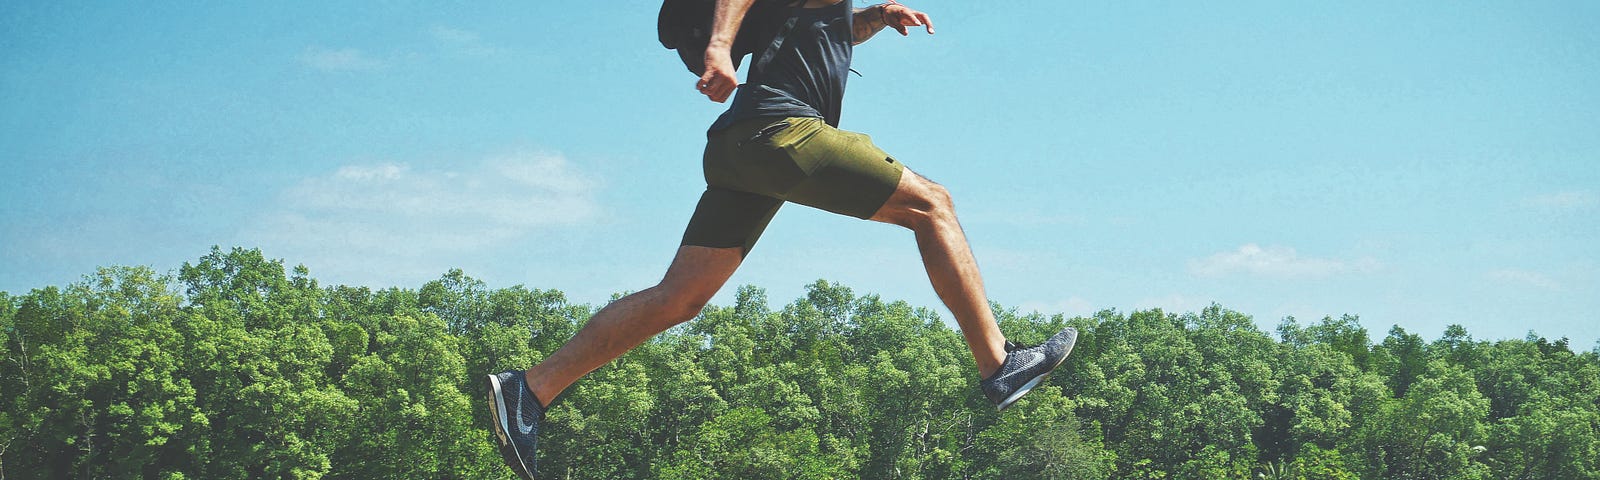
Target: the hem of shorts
pixel 879 205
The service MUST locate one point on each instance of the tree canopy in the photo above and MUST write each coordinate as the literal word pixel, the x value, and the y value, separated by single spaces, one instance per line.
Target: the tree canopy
pixel 238 367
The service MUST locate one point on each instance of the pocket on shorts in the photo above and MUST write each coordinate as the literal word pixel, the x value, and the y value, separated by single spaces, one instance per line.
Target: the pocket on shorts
pixel 798 141
pixel 766 133
pixel 766 161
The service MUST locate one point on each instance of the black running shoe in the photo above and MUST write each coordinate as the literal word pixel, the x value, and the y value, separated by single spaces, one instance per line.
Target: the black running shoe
pixel 1024 368
pixel 516 416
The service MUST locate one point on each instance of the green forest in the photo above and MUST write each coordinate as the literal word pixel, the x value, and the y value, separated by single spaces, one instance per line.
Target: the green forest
pixel 235 366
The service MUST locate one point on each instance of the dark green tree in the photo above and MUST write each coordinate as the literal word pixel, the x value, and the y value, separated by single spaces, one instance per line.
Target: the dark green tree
pixel 238 367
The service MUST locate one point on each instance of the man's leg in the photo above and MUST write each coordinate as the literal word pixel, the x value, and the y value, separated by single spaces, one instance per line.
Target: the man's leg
pixel 844 173
pixel 925 208
pixel 849 175
pixel 695 275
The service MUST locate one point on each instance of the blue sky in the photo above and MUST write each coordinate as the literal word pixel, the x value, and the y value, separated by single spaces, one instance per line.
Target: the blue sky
pixel 1413 163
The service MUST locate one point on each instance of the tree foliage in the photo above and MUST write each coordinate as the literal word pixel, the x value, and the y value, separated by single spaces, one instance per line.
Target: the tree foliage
pixel 237 367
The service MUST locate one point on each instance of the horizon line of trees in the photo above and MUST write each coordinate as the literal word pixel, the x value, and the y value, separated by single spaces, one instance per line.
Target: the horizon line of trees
pixel 238 367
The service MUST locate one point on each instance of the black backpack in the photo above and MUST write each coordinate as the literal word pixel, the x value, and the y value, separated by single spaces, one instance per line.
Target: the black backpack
pixel 685 26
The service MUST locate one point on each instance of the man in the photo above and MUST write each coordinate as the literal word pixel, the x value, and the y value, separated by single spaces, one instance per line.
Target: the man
pixel 778 142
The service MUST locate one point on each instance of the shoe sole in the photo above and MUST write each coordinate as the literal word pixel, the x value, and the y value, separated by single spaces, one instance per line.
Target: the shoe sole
pixel 1027 387
pixel 502 430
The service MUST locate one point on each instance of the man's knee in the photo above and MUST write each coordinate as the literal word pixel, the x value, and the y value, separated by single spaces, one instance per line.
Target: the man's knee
pixel 682 302
pixel 939 198
pixel 930 203
pixel 694 277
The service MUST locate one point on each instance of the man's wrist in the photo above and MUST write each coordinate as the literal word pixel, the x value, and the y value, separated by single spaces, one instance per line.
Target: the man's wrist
pixel 717 54
pixel 883 11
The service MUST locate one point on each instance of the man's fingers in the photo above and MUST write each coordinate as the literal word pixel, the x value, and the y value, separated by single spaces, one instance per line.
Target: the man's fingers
pixel 704 83
pixel 910 18
pixel 718 90
pixel 716 85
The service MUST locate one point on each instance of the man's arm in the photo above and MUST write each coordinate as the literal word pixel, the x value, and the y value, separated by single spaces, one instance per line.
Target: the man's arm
pixel 720 78
pixel 868 21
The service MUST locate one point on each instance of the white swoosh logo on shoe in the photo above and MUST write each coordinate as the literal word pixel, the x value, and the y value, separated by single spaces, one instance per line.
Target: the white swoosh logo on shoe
pixel 523 427
pixel 1034 358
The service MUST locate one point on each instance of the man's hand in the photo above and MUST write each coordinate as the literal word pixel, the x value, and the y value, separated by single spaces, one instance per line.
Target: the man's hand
pixel 720 77
pixel 899 17
pixel 719 80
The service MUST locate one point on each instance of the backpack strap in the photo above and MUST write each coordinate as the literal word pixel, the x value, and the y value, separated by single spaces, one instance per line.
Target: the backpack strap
pixel 777 42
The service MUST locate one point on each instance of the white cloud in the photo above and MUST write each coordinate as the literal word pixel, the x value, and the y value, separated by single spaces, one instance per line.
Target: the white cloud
pixel 1072 307
pixel 1274 261
pixel 451 40
pixel 1524 278
pixel 386 171
pixel 1175 303
pixel 463 41
pixel 369 217
pixel 1569 200
pixel 343 59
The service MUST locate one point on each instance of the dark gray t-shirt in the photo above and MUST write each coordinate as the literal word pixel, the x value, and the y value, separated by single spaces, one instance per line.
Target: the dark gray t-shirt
pixel 806 75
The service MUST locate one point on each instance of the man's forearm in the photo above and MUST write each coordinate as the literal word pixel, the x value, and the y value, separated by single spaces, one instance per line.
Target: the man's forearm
pixel 719 80
pixel 725 25
pixel 868 21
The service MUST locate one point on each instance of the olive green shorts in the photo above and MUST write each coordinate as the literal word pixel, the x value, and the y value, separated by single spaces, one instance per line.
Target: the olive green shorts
pixel 753 166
